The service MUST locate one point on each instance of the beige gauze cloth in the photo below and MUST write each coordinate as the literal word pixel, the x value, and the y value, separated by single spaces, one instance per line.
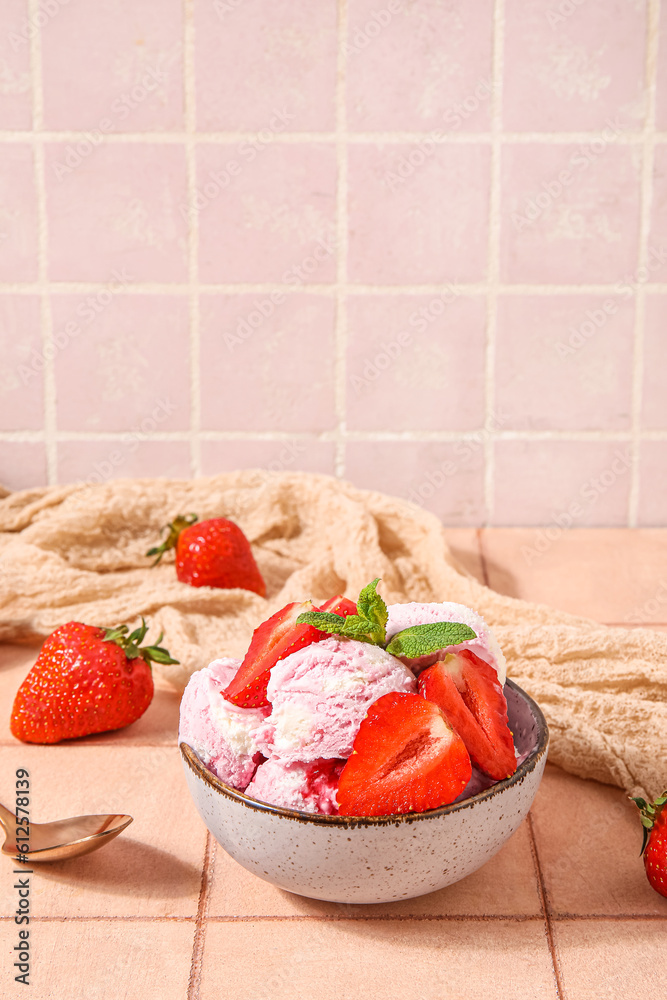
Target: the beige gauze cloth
pixel 78 552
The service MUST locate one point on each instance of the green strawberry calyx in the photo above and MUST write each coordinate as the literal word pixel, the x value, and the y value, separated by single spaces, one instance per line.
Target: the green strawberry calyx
pixel 649 812
pixel 173 529
pixel 370 625
pixel 130 644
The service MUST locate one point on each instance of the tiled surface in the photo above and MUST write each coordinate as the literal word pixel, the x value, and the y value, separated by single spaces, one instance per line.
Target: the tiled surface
pixel 18 214
pixel 22 380
pixel 565 362
pixel 132 63
pixel 248 347
pixel 276 57
pixel 445 477
pixel 284 455
pixel 133 454
pixel 571 73
pixel 655 374
pixel 153 870
pixel 562 912
pixel 443 197
pixel 547 481
pixel 608 961
pixel 418 225
pixel 421 960
pixel 569 213
pixel 24 464
pixel 127 360
pixel 653 470
pixel 116 213
pixel 16 89
pixel 427 351
pixel 266 212
pixel 658 235
pixel 590 868
pixel 408 70
pixel 661 107
pixel 620 577
pixel 97 959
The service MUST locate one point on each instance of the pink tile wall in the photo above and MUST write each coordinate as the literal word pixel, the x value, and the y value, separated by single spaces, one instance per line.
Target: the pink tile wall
pixel 15 81
pixel 114 67
pixel 257 60
pixel 420 246
pixel 266 212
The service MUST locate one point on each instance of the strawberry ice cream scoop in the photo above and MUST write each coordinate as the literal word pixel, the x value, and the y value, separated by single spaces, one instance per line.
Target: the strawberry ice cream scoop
pixel 485 646
pixel 220 733
pixel 294 785
pixel 321 693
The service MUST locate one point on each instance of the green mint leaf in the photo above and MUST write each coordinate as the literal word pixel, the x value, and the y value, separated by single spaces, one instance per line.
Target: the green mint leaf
pixel 367 626
pixel 371 606
pixel 420 640
pixel 351 627
pixel 323 620
pixel 363 630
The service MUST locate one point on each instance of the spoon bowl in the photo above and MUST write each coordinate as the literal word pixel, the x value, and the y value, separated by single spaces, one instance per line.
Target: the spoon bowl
pixel 64 838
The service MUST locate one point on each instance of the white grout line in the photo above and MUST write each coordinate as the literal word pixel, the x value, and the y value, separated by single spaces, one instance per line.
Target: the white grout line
pixel 176 288
pixel 493 262
pixel 42 286
pixel 407 138
pixel 646 199
pixel 340 360
pixel 193 233
pixel 333 435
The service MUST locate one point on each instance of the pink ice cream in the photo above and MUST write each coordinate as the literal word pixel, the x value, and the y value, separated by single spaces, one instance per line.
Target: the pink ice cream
pixel 485 645
pixel 306 787
pixel 220 733
pixel 321 693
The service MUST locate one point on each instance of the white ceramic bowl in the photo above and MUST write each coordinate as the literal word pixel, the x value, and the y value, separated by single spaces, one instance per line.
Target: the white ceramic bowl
pixel 374 859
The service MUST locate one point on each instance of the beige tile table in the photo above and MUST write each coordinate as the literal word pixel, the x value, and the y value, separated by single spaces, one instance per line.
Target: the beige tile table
pixel 563 912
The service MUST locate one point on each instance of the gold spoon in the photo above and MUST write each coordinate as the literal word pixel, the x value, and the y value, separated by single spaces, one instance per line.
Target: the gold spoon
pixel 66 838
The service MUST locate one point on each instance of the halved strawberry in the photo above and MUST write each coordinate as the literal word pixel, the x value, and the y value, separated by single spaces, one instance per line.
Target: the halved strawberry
pixel 273 640
pixel 405 759
pixel 467 690
pixel 339 605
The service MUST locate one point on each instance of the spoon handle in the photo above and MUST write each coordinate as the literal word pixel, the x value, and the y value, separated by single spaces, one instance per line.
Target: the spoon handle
pixel 7 820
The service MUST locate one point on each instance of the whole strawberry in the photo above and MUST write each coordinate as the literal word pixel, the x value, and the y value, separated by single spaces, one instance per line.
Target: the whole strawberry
pixel 86 680
pixel 212 553
pixel 654 847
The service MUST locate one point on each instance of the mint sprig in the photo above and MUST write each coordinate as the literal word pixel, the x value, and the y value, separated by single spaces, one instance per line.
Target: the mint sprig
pixel 370 623
pixel 420 640
pixel 366 626
pixel 371 606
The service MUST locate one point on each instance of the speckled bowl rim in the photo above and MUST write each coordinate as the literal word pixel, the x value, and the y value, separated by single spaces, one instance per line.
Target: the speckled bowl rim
pixel 528 765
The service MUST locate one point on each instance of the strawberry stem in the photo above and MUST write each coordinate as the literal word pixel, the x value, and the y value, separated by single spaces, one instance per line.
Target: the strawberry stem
pixel 649 812
pixel 130 644
pixel 174 528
